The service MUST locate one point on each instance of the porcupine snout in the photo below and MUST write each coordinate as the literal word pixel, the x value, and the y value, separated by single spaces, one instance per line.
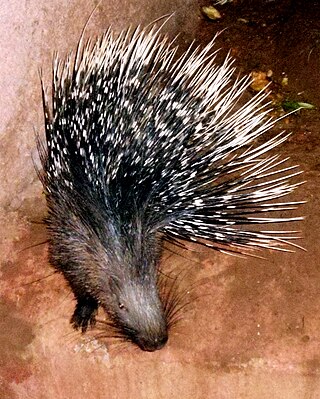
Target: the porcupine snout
pixel 140 314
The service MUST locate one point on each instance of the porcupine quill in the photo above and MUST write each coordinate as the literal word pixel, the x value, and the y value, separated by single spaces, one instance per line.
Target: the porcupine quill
pixel 142 147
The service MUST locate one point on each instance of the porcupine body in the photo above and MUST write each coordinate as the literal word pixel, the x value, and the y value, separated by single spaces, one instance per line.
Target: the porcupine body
pixel 141 147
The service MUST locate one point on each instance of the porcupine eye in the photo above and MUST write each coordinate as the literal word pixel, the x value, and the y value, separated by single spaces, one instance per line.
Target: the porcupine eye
pixel 123 311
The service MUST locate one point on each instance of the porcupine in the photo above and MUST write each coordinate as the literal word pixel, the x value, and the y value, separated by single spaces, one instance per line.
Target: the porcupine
pixel 144 147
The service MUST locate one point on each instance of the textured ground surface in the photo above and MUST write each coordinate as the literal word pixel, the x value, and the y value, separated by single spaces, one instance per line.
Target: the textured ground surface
pixel 253 327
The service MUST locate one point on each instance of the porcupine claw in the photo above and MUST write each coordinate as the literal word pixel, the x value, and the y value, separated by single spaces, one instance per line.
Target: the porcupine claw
pixel 84 314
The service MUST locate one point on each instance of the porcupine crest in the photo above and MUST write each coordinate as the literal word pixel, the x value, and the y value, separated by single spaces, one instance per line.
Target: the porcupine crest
pixel 142 146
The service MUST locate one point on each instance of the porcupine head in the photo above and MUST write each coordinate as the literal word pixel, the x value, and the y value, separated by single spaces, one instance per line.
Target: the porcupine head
pixel 142 146
pixel 97 240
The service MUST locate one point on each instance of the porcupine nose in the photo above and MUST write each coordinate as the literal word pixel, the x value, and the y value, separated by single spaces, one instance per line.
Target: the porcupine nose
pixel 154 344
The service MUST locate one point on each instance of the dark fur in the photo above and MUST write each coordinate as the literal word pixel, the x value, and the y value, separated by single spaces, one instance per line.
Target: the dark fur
pixel 108 262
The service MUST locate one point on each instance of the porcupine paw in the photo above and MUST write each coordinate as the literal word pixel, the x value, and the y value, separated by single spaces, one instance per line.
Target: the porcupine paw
pixel 84 314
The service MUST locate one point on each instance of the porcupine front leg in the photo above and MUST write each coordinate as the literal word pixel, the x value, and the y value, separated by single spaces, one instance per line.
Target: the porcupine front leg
pixel 84 313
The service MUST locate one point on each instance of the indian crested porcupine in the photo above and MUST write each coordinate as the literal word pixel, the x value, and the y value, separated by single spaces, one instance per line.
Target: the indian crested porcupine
pixel 143 146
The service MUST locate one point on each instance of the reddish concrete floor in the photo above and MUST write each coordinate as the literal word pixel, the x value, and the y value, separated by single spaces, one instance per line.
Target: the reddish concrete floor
pixel 252 327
